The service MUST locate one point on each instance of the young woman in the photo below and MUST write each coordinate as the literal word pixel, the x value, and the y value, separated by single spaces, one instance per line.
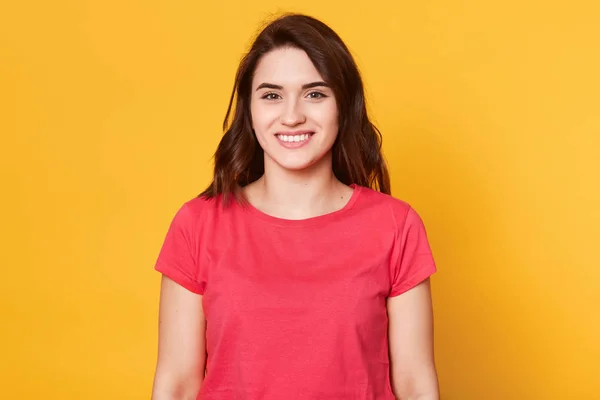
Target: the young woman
pixel 295 274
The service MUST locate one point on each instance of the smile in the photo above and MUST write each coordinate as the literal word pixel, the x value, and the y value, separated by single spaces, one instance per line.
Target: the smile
pixel 294 138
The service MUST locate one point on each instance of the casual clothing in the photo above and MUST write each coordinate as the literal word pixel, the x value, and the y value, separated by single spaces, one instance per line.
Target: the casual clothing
pixel 296 309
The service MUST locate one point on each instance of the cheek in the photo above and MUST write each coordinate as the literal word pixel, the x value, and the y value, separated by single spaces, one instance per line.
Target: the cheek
pixel 261 122
pixel 262 117
pixel 330 120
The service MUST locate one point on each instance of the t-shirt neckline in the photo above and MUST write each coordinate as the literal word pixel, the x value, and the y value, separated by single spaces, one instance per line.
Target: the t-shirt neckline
pixel 249 208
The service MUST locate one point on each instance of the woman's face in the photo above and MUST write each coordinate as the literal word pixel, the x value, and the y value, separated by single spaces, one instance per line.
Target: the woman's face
pixel 294 113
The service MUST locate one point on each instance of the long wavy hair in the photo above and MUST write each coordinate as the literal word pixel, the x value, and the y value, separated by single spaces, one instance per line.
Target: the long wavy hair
pixel 356 153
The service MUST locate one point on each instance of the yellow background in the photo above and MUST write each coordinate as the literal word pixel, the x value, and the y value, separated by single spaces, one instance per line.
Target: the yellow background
pixel 111 111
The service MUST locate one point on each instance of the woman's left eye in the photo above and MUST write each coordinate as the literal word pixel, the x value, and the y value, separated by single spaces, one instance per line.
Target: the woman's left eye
pixel 316 95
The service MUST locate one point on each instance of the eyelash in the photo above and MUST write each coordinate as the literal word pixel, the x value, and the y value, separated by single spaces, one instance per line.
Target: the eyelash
pixel 266 95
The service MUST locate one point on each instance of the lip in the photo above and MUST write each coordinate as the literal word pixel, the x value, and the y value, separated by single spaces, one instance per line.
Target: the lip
pixel 294 145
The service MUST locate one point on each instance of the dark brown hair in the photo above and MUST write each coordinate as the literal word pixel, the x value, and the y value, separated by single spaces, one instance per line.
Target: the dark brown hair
pixel 356 153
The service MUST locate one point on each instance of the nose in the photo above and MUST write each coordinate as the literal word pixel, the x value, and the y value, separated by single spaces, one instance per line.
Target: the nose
pixel 292 114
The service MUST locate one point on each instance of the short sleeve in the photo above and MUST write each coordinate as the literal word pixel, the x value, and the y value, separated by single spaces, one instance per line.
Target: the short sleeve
pixel 415 261
pixel 177 258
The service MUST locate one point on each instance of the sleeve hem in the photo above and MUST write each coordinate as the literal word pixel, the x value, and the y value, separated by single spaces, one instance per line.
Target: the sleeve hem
pixel 425 272
pixel 179 278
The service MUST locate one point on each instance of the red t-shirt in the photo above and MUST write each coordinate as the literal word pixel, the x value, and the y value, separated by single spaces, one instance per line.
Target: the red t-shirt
pixel 296 309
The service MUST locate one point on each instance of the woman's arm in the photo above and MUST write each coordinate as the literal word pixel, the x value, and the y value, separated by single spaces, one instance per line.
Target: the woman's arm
pixel 413 370
pixel 181 344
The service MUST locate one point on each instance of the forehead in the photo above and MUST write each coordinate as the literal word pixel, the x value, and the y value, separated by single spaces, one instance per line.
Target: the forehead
pixel 285 66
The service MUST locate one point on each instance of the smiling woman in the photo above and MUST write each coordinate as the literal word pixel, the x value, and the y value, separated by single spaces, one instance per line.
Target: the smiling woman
pixel 295 274
pixel 298 112
pixel 296 58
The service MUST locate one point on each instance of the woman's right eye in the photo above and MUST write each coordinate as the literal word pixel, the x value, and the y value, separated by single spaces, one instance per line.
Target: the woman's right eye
pixel 270 96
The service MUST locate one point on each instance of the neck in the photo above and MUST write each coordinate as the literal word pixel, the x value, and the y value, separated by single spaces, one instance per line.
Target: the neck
pixel 298 194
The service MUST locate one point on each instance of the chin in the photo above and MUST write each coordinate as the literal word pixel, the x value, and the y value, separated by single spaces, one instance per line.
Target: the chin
pixel 299 163
pixel 295 165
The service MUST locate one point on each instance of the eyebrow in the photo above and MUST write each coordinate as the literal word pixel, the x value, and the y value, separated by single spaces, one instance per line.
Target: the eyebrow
pixel 279 87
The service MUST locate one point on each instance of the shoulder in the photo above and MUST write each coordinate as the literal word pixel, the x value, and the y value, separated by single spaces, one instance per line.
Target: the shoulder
pixel 385 205
pixel 201 205
pixel 195 212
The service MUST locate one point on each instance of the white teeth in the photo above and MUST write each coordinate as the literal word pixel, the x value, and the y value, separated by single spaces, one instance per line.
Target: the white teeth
pixel 293 138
